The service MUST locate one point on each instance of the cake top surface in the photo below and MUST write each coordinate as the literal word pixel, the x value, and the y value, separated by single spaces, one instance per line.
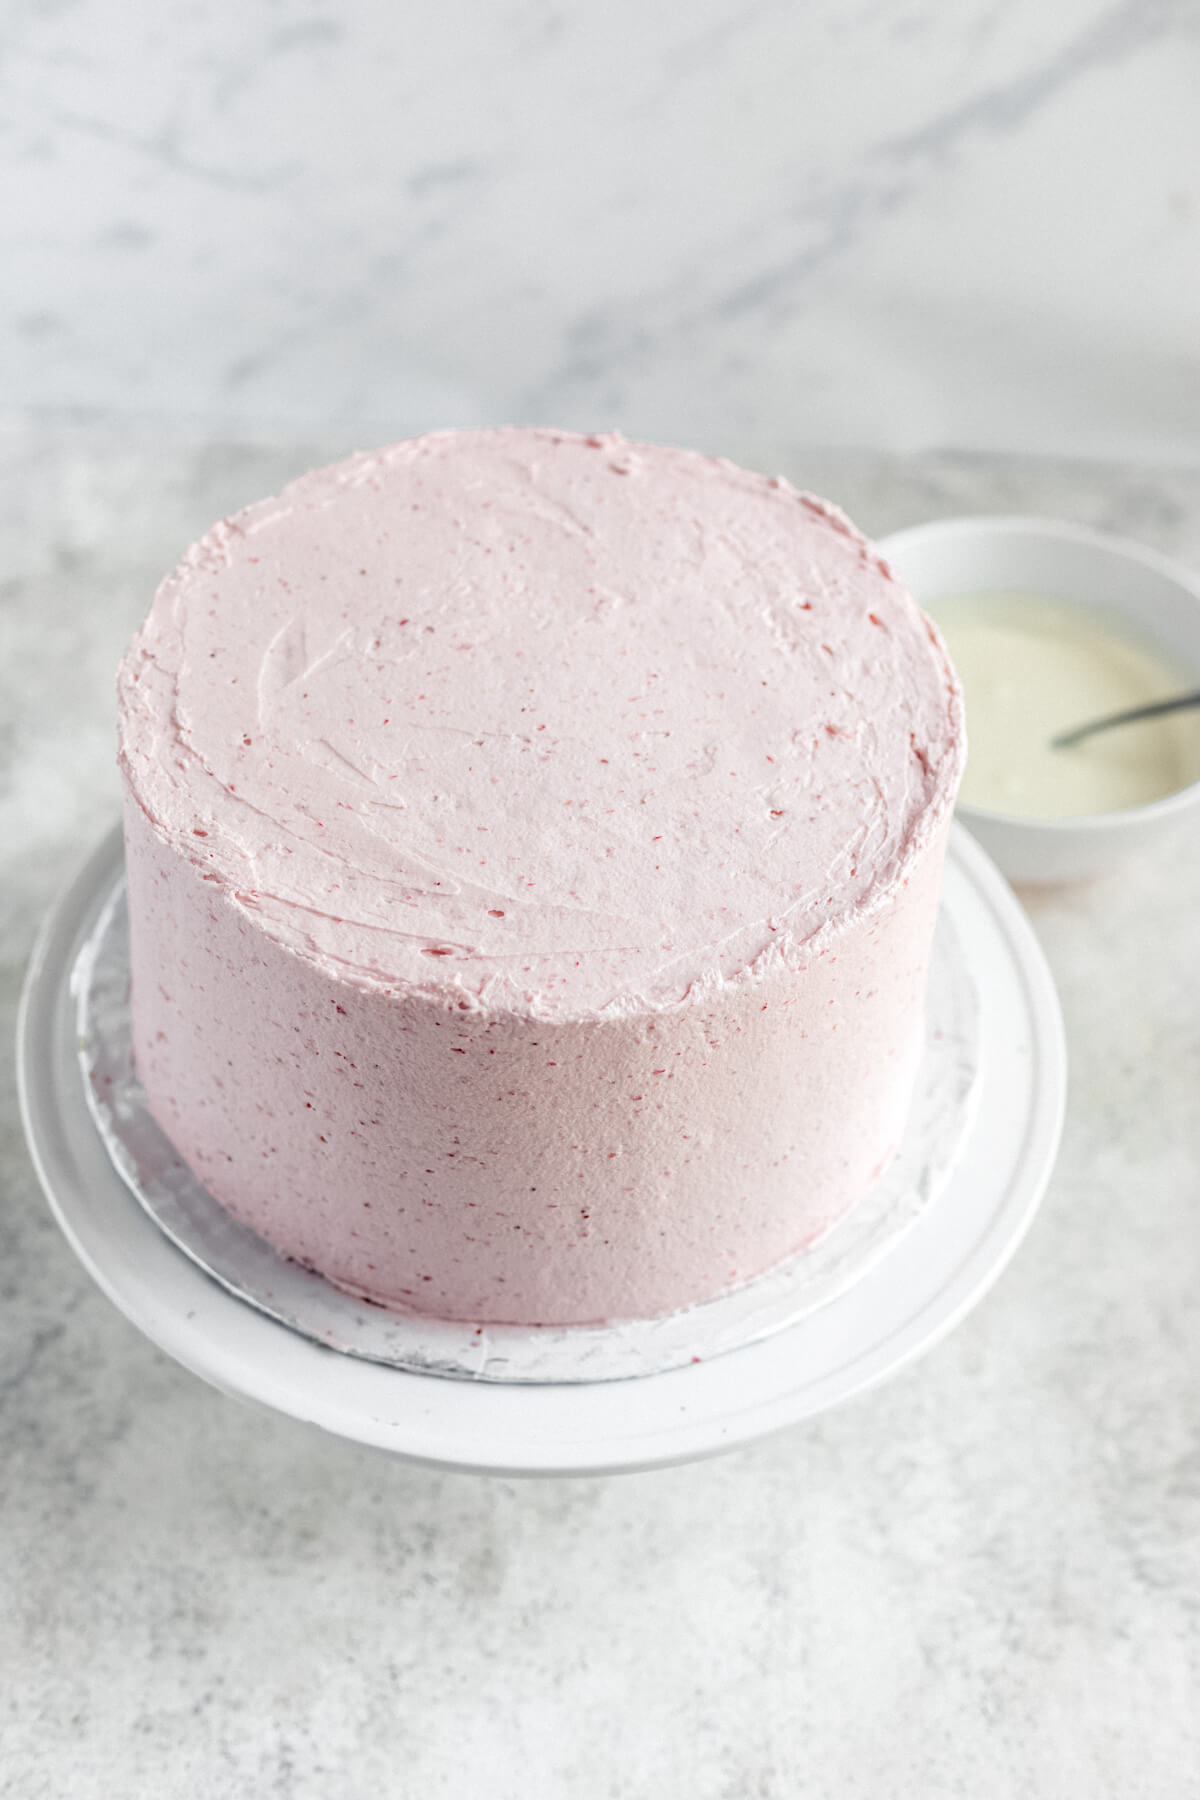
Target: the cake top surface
pixel 554 724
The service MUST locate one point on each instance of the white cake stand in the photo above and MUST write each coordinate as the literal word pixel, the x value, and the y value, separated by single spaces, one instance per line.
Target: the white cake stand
pixel 902 1305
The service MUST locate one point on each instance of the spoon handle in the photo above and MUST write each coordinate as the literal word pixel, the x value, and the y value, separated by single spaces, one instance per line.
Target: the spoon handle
pixel 1155 710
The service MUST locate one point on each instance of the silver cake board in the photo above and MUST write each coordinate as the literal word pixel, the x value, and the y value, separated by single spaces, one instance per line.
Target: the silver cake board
pixel 939 1119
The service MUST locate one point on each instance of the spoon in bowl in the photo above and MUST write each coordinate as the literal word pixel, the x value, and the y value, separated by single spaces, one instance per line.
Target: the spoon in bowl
pixel 1156 710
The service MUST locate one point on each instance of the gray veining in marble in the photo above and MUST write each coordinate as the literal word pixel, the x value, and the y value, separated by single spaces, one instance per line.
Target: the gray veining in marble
pixel 981 1581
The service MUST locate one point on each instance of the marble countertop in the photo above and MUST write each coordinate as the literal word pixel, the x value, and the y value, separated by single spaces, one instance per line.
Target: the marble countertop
pixel 903 222
pixel 980 1580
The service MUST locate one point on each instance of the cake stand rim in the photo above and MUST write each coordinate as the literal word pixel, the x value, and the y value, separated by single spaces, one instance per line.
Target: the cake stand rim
pixel 523 1430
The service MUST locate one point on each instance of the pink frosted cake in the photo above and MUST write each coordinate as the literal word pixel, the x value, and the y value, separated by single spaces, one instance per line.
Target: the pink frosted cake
pixel 534 845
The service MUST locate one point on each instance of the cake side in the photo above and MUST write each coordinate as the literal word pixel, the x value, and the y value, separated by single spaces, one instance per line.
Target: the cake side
pixel 479 1166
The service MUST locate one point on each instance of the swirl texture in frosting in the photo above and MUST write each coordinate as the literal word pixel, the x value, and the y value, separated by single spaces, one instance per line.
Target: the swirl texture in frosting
pixel 542 722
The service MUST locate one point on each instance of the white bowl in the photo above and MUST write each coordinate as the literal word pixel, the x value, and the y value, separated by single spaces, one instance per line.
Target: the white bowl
pixel 1112 576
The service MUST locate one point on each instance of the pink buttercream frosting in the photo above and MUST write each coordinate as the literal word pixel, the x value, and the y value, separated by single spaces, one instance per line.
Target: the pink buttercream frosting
pixel 470 776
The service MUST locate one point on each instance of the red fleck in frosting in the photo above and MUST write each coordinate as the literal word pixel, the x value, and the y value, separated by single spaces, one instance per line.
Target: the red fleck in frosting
pixel 561 757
